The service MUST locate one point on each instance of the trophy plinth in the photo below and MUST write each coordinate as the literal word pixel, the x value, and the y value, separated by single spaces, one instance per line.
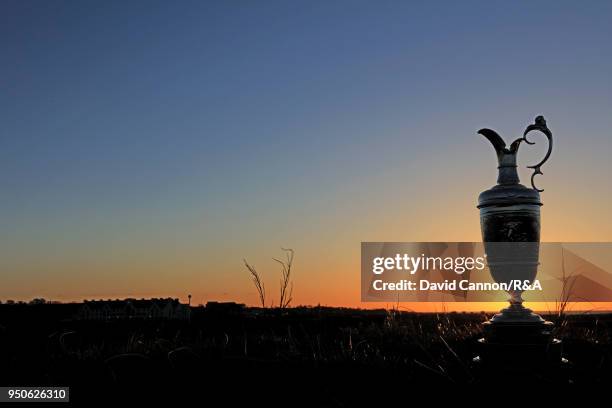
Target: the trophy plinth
pixel 519 347
pixel 516 338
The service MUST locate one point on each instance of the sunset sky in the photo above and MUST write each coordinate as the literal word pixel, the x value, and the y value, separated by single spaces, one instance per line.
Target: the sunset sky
pixel 147 147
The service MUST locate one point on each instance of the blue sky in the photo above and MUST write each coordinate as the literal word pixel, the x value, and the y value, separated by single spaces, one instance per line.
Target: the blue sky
pixel 209 131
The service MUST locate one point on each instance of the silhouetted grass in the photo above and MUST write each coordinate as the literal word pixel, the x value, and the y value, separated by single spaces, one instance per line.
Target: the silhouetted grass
pixel 250 350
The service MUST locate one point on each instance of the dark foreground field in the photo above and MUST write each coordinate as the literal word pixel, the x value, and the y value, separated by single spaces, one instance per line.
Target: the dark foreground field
pixel 301 356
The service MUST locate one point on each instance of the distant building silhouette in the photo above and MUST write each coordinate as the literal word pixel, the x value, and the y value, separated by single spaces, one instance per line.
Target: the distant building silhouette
pixel 153 309
pixel 225 307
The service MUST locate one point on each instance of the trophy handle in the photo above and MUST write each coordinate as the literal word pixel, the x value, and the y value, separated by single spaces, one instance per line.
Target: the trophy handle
pixel 540 124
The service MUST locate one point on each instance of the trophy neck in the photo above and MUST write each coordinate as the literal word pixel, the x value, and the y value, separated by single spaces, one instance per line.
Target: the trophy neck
pixel 507 173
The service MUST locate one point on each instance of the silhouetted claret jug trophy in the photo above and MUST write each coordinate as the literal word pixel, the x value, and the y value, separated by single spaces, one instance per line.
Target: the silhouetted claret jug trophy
pixel 510 225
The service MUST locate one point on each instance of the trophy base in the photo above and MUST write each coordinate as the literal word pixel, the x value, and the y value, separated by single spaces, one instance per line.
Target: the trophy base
pixel 513 345
pixel 517 313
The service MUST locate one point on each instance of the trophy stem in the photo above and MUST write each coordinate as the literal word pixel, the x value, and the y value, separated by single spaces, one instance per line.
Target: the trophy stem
pixel 516 298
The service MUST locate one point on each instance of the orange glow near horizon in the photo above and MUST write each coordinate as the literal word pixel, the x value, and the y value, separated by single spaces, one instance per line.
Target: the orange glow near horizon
pixel 191 253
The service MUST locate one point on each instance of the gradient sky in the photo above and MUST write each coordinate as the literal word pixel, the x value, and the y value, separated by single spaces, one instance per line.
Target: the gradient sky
pixel 147 147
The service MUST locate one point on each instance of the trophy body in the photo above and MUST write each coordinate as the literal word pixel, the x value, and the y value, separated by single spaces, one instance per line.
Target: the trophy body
pixel 510 225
